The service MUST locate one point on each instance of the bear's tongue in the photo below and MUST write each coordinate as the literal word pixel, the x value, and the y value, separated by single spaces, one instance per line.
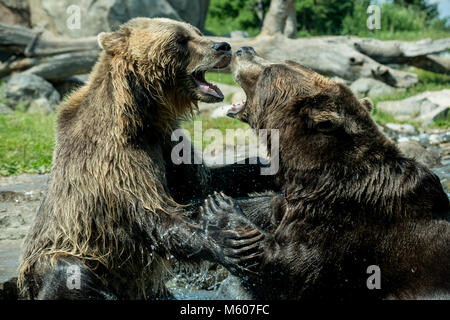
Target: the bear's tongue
pixel 209 88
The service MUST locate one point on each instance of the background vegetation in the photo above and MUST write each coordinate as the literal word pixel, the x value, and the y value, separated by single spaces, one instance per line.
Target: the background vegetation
pixel 405 19
pixel 27 140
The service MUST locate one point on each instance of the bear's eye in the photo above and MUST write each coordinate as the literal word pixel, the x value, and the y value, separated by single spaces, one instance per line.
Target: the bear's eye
pixel 325 126
pixel 183 40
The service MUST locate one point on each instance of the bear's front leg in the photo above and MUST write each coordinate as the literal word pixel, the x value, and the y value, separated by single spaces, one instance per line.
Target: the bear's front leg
pixel 239 238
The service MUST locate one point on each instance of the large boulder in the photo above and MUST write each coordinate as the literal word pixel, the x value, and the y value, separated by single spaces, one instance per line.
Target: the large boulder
pixel 107 15
pixel 414 149
pixel 368 87
pixel 25 88
pixel 425 107
pixel 13 12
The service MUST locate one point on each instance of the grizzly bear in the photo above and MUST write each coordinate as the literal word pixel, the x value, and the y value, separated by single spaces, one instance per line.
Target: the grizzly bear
pixel 112 214
pixel 356 218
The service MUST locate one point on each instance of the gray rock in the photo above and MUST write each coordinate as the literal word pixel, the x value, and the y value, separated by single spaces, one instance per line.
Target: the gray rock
pixel 237 34
pixel 41 106
pixel 426 107
pixel 4 109
pixel 340 80
pixel 106 15
pixel 367 87
pixel 402 128
pixel 23 88
pixel 415 150
pixel 13 12
pixel 69 85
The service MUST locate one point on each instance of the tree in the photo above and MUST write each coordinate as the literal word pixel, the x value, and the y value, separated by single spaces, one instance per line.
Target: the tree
pixel 431 9
pixel 281 19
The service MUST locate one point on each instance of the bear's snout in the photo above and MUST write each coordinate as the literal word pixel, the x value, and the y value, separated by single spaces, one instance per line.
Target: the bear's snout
pixel 222 46
pixel 245 50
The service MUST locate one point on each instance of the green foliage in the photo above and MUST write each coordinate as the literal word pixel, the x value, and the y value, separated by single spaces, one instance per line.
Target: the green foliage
pixel 225 16
pixel 430 9
pixel 26 143
pixel 226 78
pixel 407 22
pixel 322 16
pixel 400 19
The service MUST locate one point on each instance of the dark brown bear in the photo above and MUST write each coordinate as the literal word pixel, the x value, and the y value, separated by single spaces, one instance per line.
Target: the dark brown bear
pixel 111 215
pixel 351 201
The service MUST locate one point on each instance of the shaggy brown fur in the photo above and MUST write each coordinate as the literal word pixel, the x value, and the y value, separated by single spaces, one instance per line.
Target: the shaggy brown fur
pixel 110 207
pixel 351 199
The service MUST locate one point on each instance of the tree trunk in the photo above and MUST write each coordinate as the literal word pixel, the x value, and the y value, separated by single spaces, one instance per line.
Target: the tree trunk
pixel 290 28
pixel 280 11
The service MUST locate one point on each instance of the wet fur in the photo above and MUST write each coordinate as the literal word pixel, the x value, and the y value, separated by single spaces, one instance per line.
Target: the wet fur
pixel 112 204
pixel 350 198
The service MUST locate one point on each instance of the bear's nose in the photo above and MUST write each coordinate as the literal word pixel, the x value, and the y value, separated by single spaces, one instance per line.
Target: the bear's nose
pixel 243 50
pixel 221 46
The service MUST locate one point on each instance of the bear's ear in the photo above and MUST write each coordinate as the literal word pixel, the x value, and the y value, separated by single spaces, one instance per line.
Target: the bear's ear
pixel 113 42
pixel 325 121
pixel 367 103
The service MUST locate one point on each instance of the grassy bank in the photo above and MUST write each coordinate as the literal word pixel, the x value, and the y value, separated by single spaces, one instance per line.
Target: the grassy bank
pixel 26 143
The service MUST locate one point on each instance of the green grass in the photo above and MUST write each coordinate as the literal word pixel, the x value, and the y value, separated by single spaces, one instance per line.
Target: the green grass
pixel 26 143
pixel 222 124
pixel 226 78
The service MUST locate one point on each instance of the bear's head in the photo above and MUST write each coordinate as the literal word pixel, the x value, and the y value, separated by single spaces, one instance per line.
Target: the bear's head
pixel 167 57
pixel 317 119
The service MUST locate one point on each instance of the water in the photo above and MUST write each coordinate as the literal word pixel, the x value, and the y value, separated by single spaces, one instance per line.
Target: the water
pixel 9 260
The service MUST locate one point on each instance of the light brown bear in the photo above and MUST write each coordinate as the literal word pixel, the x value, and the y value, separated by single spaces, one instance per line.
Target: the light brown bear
pixel 111 214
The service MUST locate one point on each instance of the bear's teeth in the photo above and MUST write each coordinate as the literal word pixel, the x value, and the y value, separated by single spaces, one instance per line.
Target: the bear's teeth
pixel 210 89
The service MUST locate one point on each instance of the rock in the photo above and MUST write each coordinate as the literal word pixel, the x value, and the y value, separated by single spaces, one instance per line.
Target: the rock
pixel 402 128
pixel 106 15
pixel 441 113
pixel 26 187
pixel 434 139
pixel 426 107
pixel 193 12
pixel 13 12
pixel 367 87
pixel 41 106
pixel 220 111
pixel 67 86
pixel 19 201
pixel 415 150
pixel 444 175
pixel 24 88
pixel 340 80
pixel 8 290
pixel 4 109
pixel 238 34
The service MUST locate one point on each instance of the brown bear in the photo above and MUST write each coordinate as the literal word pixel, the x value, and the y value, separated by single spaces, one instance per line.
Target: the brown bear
pixel 111 215
pixel 357 219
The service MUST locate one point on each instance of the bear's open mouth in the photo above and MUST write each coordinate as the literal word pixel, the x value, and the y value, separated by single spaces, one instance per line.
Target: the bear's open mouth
pixel 236 108
pixel 206 87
